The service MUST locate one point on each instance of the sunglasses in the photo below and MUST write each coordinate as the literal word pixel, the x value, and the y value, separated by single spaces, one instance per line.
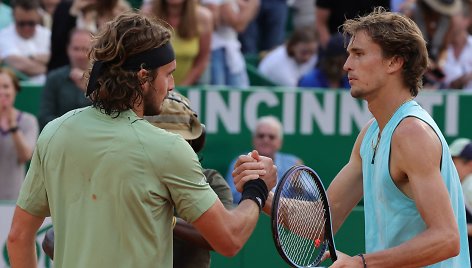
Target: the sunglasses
pixel 26 23
pixel 263 135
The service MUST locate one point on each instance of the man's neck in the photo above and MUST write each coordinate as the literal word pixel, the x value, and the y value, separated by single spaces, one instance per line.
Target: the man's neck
pixel 139 110
pixel 384 106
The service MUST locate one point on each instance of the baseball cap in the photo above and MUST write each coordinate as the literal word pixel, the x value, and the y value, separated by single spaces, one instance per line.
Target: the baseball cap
pixel 177 117
pixel 461 147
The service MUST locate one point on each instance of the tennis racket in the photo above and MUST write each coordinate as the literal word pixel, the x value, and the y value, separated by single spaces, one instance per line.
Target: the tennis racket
pixel 301 220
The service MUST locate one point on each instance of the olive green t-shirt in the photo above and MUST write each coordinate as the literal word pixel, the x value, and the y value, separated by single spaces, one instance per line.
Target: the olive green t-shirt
pixel 110 186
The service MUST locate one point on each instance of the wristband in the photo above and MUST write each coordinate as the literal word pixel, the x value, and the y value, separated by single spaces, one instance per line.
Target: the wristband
pixel 257 191
pixel 13 129
pixel 363 259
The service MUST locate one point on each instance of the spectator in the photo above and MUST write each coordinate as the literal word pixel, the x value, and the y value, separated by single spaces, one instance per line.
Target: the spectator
pixel 227 66
pixel 434 18
pixel 458 65
pixel 177 117
pixel 82 14
pixel 461 152
pixel 329 71
pixel 19 131
pixel 24 46
pixel 47 11
pixel 267 140
pixel 193 26
pixel 287 63
pixel 65 86
pixel 331 14
pixel 6 16
pixel 303 13
pixel 267 30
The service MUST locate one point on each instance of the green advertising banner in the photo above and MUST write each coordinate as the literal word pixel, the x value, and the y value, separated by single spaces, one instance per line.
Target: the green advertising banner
pixel 319 126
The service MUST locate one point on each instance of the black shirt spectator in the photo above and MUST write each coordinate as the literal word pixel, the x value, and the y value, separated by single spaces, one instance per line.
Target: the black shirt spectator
pixel 333 13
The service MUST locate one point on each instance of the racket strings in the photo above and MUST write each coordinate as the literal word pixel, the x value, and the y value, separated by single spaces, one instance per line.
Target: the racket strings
pixel 302 219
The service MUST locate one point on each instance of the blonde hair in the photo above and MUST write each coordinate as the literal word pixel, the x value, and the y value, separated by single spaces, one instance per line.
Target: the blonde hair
pixel 188 26
pixel 397 36
pixel 9 72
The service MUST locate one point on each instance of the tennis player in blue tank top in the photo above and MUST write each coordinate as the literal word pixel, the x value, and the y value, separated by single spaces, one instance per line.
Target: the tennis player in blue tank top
pixel 400 163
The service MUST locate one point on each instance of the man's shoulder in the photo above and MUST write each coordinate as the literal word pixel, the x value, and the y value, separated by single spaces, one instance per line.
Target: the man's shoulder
pixel 287 157
pixel 52 127
pixel 155 138
pixel 56 123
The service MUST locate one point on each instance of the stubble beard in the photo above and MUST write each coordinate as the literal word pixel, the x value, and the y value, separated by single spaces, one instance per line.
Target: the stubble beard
pixel 150 106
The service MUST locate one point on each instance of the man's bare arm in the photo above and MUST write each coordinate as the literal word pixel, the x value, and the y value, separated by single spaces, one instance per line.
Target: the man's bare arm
pixel 26 65
pixel 345 191
pixel 21 239
pixel 228 230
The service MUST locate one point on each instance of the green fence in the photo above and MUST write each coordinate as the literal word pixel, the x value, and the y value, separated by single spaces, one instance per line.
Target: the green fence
pixel 319 126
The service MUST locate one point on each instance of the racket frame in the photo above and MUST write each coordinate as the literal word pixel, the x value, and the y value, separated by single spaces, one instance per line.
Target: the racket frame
pixel 328 226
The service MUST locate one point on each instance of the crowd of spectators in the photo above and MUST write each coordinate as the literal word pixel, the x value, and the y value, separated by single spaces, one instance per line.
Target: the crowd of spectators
pixel 216 39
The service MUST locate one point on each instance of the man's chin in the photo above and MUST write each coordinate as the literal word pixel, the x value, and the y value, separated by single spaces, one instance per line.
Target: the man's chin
pixel 356 93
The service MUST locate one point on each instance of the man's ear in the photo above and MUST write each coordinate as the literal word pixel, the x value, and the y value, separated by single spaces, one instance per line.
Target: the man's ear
pixel 143 76
pixel 395 63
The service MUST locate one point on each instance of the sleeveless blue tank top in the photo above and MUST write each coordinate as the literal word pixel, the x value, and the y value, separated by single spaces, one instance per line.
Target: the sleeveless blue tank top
pixel 391 217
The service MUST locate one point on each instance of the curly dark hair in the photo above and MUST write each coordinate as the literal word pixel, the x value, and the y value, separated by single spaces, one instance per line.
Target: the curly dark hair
pixel 130 33
pixel 397 36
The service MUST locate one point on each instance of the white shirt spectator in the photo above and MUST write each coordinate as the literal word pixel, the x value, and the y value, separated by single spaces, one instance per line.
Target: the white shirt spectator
pixel 13 44
pixel 457 67
pixel 282 69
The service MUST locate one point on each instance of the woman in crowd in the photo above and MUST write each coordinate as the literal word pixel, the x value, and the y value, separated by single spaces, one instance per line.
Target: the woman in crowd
pixel 81 14
pixel 228 66
pixel 18 133
pixel 193 26
pixel 288 62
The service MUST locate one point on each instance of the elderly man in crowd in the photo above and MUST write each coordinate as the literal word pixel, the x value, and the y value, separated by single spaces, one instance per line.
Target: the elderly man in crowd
pixel 267 139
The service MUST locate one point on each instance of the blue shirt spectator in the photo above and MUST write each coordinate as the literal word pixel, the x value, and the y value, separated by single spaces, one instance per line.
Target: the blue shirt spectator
pixel 267 140
pixel 329 72
pixel 316 78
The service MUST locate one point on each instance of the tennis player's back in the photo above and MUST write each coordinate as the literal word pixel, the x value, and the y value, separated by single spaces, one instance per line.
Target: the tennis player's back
pixel 105 200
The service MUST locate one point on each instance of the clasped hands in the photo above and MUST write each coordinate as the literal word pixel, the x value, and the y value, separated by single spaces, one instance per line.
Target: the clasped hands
pixel 253 166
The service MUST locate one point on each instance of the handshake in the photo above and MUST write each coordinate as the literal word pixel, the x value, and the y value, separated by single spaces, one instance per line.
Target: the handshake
pixel 253 176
